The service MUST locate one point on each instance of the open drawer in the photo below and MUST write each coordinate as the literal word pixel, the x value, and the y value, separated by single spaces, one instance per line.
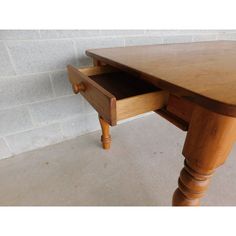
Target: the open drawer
pixel 115 94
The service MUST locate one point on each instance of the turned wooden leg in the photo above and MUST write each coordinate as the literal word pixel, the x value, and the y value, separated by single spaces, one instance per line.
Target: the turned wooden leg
pixel 209 140
pixel 106 137
pixel 191 187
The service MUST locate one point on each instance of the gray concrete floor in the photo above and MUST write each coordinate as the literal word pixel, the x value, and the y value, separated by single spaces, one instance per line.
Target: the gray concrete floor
pixel 141 169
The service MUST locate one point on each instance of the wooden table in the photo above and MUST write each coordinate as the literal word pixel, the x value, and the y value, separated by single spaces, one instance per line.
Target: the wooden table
pixel 200 79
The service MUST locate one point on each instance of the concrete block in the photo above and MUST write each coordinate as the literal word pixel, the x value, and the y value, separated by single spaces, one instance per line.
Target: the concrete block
pixel 90 43
pixel 41 56
pixel 6 67
pixel 143 40
pixel 177 39
pixel 169 32
pixel 154 32
pixel 187 32
pixel 4 150
pixel 227 36
pixel 14 120
pixel 57 109
pixel 121 32
pixel 80 125
pixel 19 34
pixel 87 107
pixel 24 89
pixel 50 34
pixel 61 84
pixel 36 138
pixel 204 37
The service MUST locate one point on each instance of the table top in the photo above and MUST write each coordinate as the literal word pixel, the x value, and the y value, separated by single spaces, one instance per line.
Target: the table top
pixel 203 72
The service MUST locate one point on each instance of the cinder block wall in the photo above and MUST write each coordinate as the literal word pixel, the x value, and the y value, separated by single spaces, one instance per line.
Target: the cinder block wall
pixel 37 107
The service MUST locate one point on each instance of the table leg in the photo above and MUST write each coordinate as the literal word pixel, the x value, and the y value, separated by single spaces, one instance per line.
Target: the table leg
pixel 106 137
pixel 209 140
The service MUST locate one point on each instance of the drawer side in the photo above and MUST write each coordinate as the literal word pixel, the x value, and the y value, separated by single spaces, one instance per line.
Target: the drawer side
pixel 140 104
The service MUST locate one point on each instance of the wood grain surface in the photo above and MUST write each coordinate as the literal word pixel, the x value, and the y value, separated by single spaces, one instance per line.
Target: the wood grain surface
pixel 203 72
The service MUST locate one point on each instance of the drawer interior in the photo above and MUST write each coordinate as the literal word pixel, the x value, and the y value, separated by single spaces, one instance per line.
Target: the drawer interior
pixel 123 85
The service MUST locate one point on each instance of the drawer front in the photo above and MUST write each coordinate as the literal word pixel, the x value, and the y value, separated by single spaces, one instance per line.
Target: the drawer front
pixel 102 101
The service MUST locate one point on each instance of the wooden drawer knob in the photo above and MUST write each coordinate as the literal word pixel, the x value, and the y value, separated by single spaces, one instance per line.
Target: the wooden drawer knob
pixel 78 87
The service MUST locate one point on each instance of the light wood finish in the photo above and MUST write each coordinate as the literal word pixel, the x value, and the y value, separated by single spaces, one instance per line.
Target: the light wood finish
pixel 180 107
pixel 178 111
pixel 175 120
pixel 203 72
pixel 209 139
pixel 103 101
pixel 97 70
pixel 207 145
pixel 98 63
pixel 191 186
pixel 78 87
pixel 114 94
pixel 106 137
pixel 132 106
pixel 200 79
